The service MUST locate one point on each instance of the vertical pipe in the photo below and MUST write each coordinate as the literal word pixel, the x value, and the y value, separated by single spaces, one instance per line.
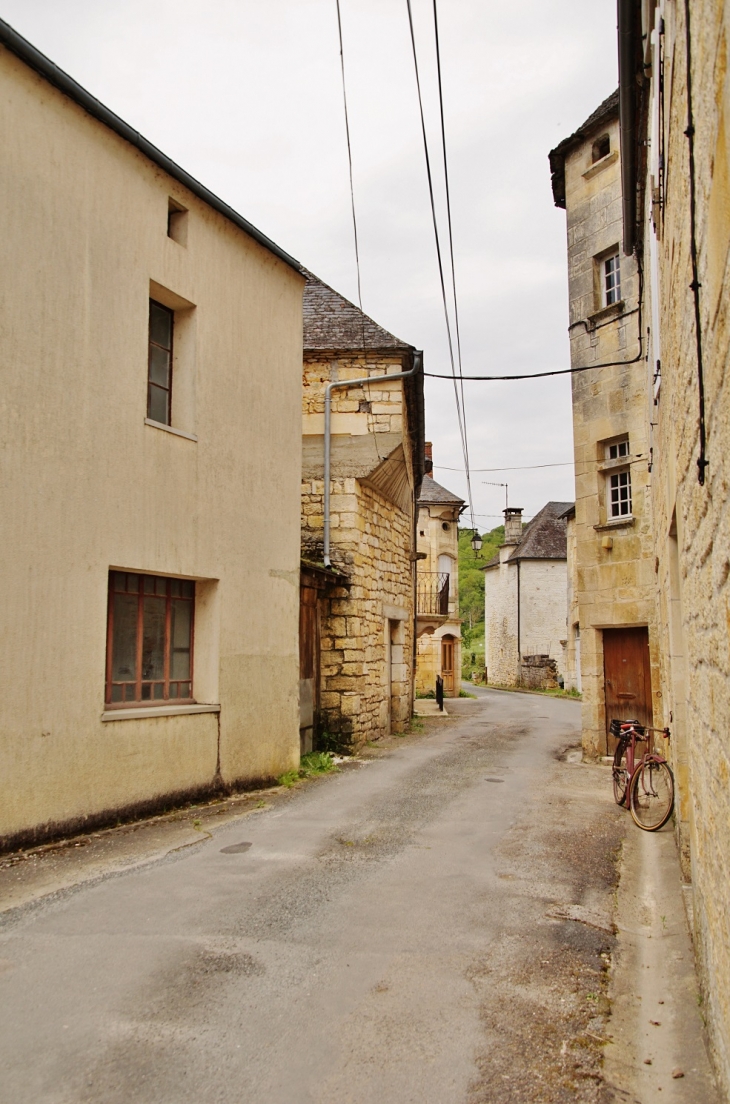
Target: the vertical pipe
pixel 519 627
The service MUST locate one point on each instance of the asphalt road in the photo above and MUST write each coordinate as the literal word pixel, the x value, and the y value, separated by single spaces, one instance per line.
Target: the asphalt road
pixel 400 932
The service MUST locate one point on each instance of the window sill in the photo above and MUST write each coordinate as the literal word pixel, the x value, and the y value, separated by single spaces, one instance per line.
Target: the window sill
pixel 599 166
pixel 156 711
pixel 618 463
pixel 170 429
pixel 615 523
pixel 605 313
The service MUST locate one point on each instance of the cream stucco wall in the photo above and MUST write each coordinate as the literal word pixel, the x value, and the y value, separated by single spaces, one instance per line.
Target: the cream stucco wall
pixel 542 615
pixel 88 485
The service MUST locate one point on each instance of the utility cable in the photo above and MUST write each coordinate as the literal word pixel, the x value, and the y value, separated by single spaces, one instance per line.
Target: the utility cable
pixel 462 431
pixel 451 246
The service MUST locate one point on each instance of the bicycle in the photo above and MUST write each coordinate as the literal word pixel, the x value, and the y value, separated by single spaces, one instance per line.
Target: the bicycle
pixel 646 785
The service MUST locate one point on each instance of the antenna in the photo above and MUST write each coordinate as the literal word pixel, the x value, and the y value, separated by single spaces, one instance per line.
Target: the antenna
pixel 487 483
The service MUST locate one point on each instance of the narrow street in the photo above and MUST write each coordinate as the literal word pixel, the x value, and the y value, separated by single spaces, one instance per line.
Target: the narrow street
pixel 433 925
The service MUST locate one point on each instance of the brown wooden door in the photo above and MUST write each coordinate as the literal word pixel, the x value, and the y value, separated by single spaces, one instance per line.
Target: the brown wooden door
pixel 447 663
pixel 627 674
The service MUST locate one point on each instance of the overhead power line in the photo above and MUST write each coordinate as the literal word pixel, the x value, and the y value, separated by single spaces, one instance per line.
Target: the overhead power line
pixel 514 467
pixel 540 375
pixel 349 156
pixel 460 413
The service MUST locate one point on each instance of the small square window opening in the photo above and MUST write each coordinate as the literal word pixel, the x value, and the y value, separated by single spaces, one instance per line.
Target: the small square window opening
pixel 601 148
pixel 618 449
pixel 177 222
pixel 159 363
pixel 611 280
pixel 149 639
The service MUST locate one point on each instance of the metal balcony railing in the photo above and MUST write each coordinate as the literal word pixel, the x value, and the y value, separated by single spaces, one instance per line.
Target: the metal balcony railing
pixel 432 592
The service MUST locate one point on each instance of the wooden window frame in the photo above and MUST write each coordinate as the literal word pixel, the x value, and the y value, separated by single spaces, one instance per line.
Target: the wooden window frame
pixel 170 351
pixel 611 295
pixel 166 682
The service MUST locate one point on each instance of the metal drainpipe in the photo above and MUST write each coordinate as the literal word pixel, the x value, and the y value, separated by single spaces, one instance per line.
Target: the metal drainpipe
pixel 519 627
pixel 417 359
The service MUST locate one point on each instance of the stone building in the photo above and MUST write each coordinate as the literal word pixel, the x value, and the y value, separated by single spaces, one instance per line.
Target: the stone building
pixel 613 585
pixel 151 364
pixel 675 133
pixel 525 600
pixel 438 625
pixel 362 686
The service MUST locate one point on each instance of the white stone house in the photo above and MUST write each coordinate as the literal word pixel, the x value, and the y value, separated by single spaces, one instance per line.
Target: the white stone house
pixel 526 600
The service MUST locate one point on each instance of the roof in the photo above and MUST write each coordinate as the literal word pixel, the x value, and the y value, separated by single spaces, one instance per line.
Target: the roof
pixel 603 114
pixel 45 68
pixel 544 538
pixel 432 493
pixel 334 323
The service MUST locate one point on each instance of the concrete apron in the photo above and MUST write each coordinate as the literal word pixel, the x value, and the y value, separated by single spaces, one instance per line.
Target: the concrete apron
pixel 656 1025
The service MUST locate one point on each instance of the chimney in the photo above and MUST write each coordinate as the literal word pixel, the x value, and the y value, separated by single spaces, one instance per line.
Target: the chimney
pixel 512 525
pixel 428 454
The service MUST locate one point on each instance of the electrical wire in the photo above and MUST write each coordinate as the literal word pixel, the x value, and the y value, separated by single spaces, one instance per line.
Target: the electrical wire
pixel 451 241
pixel 542 375
pixel 437 238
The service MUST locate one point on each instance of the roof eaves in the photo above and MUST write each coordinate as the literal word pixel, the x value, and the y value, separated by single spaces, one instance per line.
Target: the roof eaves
pixel 47 69
pixel 605 111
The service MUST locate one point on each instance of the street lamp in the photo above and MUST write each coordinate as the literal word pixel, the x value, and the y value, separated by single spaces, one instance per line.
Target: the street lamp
pixel 476 542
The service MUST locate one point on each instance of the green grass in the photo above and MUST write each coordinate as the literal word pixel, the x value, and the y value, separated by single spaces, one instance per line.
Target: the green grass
pixel 575 695
pixel 311 766
pixel 466 694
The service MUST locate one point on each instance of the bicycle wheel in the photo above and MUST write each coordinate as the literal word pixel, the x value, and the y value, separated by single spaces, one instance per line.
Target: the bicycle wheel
pixel 620 775
pixel 651 796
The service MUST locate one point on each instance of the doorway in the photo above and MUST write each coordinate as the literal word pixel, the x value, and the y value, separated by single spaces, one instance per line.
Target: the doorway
pixel 627 678
pixel 447 663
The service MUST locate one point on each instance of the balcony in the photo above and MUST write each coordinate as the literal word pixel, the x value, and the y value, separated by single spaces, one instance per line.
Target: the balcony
pixel 432 593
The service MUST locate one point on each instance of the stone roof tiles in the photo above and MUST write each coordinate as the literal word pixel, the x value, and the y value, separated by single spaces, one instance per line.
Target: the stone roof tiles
pixel 433 494
pixel 603 113
pixel 332 322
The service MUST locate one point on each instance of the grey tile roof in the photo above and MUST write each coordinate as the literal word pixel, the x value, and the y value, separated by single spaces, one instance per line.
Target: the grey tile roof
pixel 333 323
pixel 605 111
pixel 432 493
pixel 544 538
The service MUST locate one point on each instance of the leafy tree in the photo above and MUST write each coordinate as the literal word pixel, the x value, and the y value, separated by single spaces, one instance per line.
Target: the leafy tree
pixel 471 586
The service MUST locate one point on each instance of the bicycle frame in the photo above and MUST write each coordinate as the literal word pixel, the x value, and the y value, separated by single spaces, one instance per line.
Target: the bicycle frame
pixel 628 736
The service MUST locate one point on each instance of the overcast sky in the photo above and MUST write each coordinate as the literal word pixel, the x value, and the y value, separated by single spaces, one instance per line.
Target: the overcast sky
pixel 246 96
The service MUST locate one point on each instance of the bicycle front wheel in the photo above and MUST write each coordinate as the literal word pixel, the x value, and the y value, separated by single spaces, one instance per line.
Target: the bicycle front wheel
pixel 651 796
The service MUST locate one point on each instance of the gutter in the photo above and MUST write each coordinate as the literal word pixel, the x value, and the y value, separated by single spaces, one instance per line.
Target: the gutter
pixel 629 37
pixel 417 367
pixel 45 68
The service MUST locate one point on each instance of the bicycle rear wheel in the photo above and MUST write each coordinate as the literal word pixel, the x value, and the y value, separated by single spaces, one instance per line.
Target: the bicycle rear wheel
pixel 620 775
pixel 651 796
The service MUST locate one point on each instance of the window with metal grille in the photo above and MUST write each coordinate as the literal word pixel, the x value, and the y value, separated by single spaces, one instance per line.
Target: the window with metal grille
pixel 149 639
pixel 159 370
pixel 620 494
pixel 611 280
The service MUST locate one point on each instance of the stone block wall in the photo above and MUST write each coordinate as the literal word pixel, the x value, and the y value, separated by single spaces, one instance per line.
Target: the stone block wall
pixel 691 550
pixel 544 610
pixel 366 628
pixel 613 581
pixel 501 658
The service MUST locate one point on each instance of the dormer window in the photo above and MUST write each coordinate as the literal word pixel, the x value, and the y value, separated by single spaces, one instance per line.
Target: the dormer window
pixel 601 148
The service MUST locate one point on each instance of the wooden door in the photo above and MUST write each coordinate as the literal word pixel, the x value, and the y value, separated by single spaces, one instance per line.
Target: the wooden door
pixel 627 675
pixel 309 647
pixel 447 663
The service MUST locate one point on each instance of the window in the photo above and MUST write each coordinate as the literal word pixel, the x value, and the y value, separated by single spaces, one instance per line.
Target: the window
pixel 611 280
pixel 601 148
pixel 620 494
pixel 618 449
pixel 177 222
pixel 149 639
pixel 159 371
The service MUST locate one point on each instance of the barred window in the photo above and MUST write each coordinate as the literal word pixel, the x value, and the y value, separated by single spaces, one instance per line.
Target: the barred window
pixel 620 500
pixel 149 639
